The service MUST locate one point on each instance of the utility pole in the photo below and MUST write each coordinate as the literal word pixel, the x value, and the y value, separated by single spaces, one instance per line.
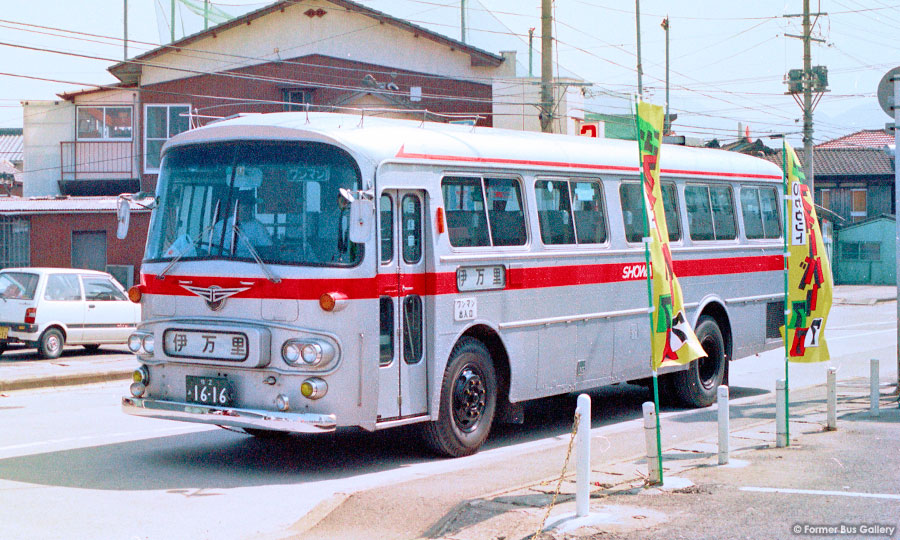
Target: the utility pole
pixel 640 70
pixel 462 20
pixel 808 80
pixel 125 29
pixel 809 170
pixel 546 66
pixel 530 51
pixel 667 125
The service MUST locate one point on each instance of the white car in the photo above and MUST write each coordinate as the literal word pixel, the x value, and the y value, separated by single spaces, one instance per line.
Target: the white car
pixel 48 308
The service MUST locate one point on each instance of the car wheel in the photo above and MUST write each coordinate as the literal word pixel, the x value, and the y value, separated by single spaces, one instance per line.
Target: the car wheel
pixel 91 347
pixel 51 343
pixel 697 385
pixel 468 401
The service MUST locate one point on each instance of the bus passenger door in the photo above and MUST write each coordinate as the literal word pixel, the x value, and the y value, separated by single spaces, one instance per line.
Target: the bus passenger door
pixel 402 387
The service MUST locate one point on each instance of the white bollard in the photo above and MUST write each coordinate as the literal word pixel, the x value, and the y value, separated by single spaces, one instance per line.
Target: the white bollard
pixel 722 395
pixel 650 436
pixel 780 416
pixel 831 424
pixel 583 451
pixel 874 391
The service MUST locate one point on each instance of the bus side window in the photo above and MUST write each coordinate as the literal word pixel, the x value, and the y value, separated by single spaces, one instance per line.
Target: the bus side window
pixel 699 213
pixel 752 214
pixel 504 199
pixel 670 205
pixel 632 211
pixel 386 336
pixel 587 205
pixel 723 212
pixel 768 201
pixel 386 213
pixel 464 204
pixel 554 212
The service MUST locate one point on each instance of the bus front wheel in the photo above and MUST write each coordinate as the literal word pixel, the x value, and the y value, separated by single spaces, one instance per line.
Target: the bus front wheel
pixel 697 385
pixel 468 401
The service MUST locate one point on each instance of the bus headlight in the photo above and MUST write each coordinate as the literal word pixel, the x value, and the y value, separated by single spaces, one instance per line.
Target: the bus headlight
pixel 148 343
pixel 134 343
pixel 307 353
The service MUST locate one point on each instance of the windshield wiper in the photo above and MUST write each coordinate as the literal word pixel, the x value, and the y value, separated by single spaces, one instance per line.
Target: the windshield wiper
pixel 265 268
pixel 184 249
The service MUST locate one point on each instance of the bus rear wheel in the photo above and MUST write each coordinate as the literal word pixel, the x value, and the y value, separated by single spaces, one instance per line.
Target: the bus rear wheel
pixel 697 385
pixel 468 401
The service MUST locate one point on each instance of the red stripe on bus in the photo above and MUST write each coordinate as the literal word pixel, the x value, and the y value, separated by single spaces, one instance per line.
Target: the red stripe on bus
pixel 507 161
pixel 440 283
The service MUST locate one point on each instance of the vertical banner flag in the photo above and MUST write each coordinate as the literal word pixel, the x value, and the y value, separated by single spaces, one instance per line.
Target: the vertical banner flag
pixel 673 339
pixel 809 280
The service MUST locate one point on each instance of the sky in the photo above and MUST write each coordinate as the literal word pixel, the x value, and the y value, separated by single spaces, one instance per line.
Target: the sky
pixel 727 60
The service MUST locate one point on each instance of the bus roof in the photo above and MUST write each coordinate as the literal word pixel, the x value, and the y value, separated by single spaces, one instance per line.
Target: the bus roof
pixel 381 140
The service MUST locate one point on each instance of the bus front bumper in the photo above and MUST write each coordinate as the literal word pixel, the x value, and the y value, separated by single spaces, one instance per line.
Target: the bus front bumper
pixel 221 416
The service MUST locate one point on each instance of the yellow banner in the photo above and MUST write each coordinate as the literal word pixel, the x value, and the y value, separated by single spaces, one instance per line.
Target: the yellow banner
pixel 809 279
pixel 673 339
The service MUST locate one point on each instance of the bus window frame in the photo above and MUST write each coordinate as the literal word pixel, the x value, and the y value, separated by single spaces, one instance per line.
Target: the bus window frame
pixel 676 194
pixel 483 177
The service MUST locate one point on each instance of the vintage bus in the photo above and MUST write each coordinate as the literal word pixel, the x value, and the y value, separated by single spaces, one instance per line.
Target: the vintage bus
pixel 388 272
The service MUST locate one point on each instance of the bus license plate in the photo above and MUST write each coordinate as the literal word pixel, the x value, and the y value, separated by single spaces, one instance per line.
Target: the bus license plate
pixel 208 391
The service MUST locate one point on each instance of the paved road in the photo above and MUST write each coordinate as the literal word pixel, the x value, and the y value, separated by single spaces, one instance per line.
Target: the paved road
pixel 69 460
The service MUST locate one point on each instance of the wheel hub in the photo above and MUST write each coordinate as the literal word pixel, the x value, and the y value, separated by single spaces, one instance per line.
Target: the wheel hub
pixel 469 399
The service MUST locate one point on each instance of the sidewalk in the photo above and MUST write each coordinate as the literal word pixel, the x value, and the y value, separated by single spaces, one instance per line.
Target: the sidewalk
pixel 23 369
pixel 845 476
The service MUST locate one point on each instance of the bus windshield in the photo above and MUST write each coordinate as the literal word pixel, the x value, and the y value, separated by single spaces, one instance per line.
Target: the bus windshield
pixel 279 201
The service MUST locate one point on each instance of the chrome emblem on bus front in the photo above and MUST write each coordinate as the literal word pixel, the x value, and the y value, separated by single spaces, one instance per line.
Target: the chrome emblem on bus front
pixel 214 295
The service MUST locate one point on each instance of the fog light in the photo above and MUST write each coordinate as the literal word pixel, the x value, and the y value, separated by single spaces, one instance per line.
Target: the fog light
pixel 313 388
pixel 282 402
pixel 134 343
pixel 141 375
pixel 148 343
pixel 137 389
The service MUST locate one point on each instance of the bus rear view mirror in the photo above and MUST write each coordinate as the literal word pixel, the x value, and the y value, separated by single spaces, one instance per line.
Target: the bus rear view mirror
pixel 123 217
pixel 362 218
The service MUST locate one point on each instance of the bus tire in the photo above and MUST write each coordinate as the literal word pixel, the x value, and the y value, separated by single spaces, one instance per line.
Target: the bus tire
pixel 697 385
pixel 468 401
pixel 51 343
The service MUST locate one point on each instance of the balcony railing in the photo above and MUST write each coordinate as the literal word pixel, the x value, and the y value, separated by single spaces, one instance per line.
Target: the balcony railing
pixel 97 160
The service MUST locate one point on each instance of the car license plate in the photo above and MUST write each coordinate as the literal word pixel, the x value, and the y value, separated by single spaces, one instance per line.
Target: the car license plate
pixel 233 346
pixel 208 390
pixel 4 332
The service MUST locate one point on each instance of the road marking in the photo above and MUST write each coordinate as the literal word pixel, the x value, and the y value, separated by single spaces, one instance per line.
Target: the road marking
pixel 822 492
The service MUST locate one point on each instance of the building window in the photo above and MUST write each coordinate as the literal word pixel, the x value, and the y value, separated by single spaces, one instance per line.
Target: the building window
pixel 15 242
pixel 162 122
pixel 296 100
pixel 858 204
pixel 825 198
pixel 103 123
pixel 861 251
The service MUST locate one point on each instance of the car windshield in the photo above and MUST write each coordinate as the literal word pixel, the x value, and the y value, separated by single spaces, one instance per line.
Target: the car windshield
pixel 18 285
pixel 278 200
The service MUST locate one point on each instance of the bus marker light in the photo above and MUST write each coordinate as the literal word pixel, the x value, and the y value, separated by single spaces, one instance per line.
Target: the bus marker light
pixel 141 375
pixel 439 219
pixel 313 388
pixel 135 294
pixel 333 301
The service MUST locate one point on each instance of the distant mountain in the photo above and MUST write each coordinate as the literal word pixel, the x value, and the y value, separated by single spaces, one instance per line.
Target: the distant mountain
pixel 867 115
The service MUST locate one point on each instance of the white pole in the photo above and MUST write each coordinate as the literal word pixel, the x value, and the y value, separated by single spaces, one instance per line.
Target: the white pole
pixel 583 470
pixel 874 391
pixel 780 417
pixel 832 400
pixel 650 436
pixel 723 424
